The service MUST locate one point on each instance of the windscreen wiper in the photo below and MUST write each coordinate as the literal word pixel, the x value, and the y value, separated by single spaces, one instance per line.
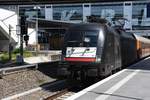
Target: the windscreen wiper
pixel 87 49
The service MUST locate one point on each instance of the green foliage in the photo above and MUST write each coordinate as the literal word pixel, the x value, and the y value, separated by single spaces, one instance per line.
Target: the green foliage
pixel 4 57
pixel 27 54
pixel 15 51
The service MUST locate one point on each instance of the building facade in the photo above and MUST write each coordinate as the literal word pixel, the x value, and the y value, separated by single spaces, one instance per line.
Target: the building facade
pixel 136 13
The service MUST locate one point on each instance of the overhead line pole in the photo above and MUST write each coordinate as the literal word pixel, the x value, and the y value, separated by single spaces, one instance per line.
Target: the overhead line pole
pixel 21 45
pixel 10 46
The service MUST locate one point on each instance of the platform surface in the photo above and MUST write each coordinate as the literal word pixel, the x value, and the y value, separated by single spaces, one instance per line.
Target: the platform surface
pixel 44 57
pixel 132 83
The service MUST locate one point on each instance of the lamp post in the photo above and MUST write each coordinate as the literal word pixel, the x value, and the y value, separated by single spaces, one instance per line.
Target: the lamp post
pixel 10 46
pixel 36 28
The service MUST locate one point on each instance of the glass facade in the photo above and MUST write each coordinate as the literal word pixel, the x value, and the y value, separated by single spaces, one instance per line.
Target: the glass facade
pixel 32 11
pixel 107 10
pixel 68 12
pixel 51 40
pixel 136 13
pixel 141 20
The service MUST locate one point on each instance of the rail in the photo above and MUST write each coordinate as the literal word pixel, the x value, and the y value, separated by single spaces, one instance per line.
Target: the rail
pixel 10 70
pixel 61 95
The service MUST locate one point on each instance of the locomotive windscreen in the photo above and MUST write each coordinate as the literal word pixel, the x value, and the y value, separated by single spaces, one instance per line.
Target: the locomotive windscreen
pixel 86 38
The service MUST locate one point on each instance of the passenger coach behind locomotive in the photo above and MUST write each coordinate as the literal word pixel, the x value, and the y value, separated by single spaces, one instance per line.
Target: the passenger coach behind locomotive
pixel 97 49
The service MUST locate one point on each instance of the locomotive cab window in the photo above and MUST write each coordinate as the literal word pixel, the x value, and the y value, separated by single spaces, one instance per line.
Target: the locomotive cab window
pixel 82 38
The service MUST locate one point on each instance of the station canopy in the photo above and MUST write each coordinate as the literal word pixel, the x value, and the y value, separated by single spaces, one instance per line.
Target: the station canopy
pixel 49 24
pixel 22 2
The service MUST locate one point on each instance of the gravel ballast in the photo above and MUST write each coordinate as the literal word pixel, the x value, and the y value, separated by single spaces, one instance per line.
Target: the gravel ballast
pixel 19 82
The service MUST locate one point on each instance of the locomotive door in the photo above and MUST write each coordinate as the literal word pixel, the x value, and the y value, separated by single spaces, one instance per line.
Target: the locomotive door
pixel 117 52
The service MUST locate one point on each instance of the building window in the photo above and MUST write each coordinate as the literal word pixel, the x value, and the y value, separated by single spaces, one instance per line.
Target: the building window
pixel 140 20
pixel 138 10
pixel 31 12
pixel 67 12
pixel 107 10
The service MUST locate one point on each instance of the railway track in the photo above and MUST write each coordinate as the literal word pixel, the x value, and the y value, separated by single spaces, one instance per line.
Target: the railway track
pixel 61 95
pixel 18 80
pixel 11 70
pixel 53 91
pixel 40 92
pixel 56 90
pixel 70 90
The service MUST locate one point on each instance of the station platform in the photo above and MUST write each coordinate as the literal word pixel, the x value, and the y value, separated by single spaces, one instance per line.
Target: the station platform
pixel 44 57
pixel 132 83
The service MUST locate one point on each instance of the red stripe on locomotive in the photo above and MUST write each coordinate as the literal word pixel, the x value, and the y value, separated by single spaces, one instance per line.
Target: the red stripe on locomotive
pixel 80 59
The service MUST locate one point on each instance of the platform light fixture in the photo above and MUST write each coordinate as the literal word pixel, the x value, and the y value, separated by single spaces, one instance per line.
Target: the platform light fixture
pixel 36 26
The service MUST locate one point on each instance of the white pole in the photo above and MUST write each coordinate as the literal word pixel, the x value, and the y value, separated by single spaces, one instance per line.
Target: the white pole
pixel 37 31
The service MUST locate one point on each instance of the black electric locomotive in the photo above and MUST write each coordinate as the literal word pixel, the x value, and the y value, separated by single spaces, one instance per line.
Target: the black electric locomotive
pixel 97 49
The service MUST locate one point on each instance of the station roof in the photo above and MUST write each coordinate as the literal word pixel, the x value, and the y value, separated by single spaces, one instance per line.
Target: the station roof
pixel 23 2
pixel 2 36
pixel 49 24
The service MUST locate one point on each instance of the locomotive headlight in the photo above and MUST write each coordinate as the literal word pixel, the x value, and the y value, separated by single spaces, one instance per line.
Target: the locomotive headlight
pixel 98 59
pixel 68 52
